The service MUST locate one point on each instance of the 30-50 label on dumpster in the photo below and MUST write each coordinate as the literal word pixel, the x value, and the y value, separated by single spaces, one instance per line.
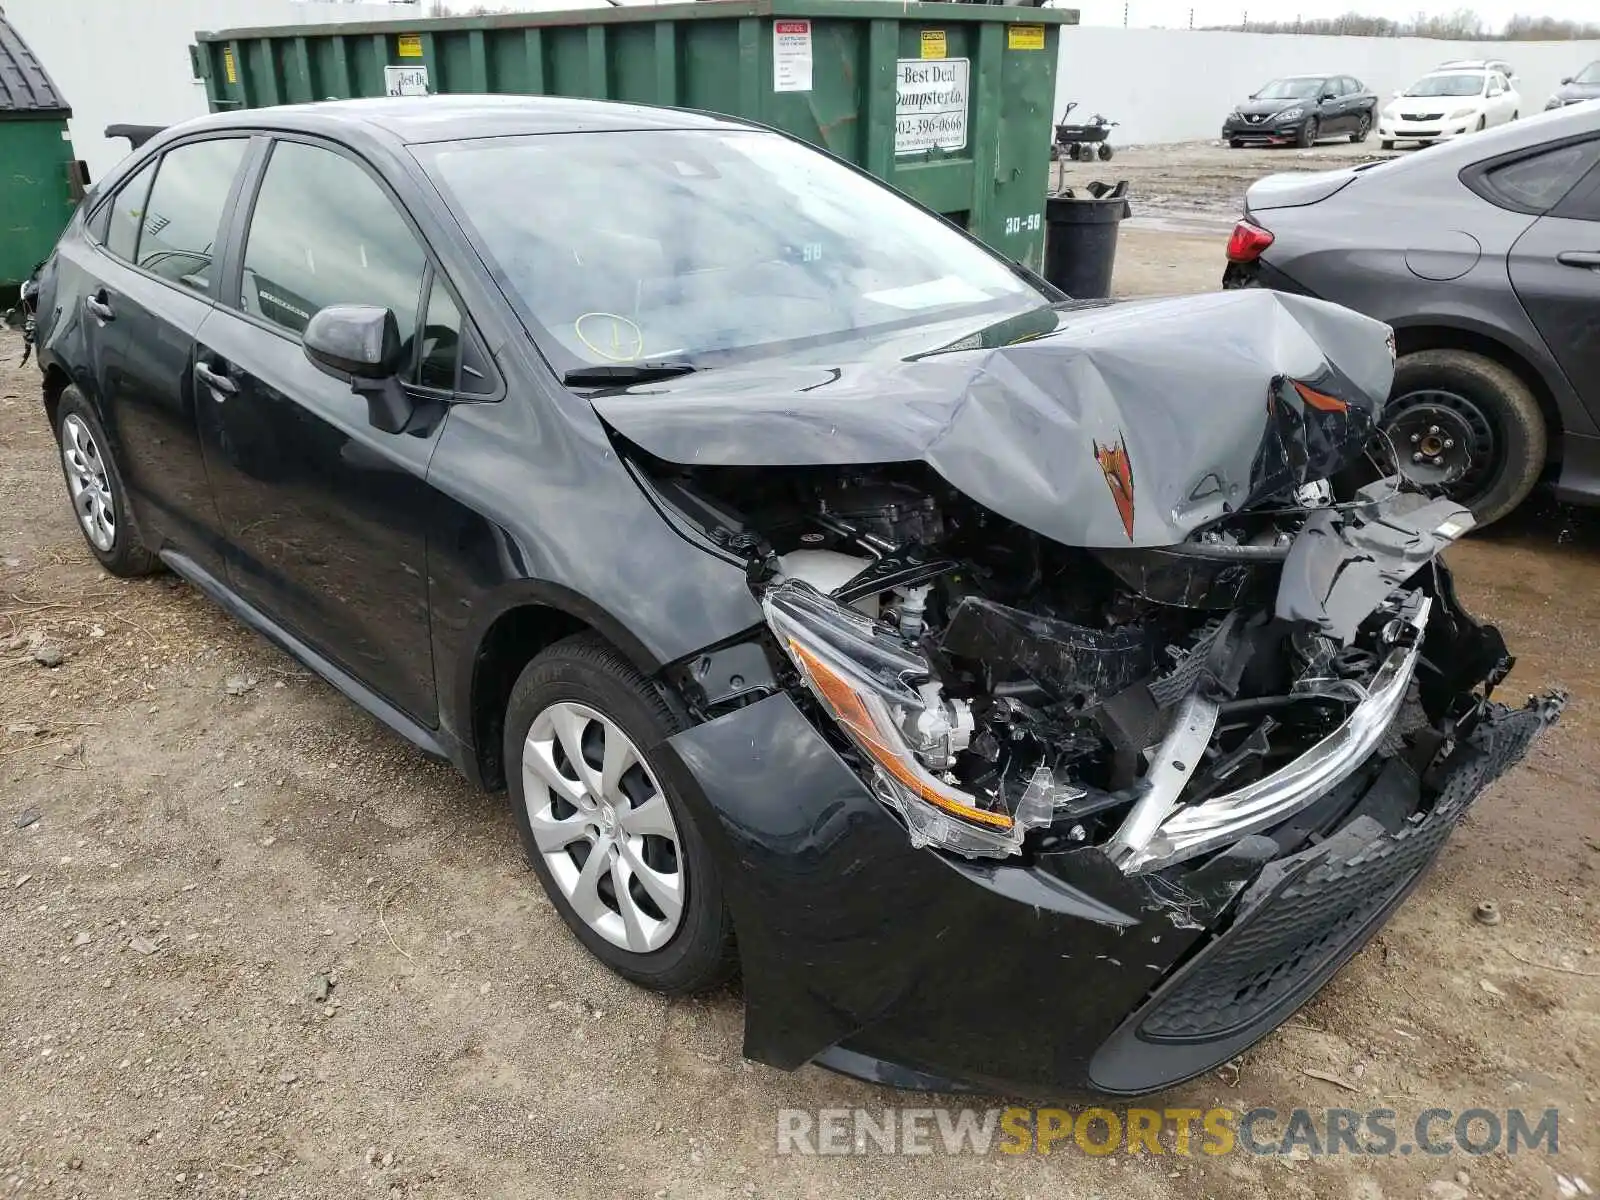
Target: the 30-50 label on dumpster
pixel 930 105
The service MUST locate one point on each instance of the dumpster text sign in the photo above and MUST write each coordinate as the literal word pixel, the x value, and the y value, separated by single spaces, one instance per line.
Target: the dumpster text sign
pixel 930 107
pixel 791 56
pixel 405 81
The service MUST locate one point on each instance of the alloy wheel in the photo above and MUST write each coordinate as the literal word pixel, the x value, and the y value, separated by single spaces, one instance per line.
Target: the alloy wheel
pixel 89 484
pixel 603 827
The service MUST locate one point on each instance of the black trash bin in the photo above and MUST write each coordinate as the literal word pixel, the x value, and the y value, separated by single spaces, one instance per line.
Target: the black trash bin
pixel 1081 238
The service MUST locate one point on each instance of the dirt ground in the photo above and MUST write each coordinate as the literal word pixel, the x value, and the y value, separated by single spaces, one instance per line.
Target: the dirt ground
pixel 251 944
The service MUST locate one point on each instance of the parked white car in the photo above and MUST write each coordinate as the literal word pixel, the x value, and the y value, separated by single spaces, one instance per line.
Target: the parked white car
pixel 1448 103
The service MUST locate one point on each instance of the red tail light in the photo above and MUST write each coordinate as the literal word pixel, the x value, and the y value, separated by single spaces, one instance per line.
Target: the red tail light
pixel 1247 242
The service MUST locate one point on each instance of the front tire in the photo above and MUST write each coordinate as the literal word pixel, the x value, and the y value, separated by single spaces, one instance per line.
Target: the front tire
pixel 1106 152
pixel 614 846
pixel 99 497
pixel 1236 143
pixel 1470 416
pixel 1309 133
pixel 1386 144
pixel 1362 130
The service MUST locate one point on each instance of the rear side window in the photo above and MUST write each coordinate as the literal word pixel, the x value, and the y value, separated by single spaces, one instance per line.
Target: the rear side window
pixel 127 214
pixel 1535 183
pixel 323 232
pixel 178 237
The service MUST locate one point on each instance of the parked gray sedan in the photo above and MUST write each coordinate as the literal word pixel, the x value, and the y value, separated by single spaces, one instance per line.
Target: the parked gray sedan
pixel 1484 256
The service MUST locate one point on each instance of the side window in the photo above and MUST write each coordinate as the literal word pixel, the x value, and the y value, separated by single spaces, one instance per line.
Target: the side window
pixel 323 233
pixel 441 341
pixel 127 214
pixel 1535 183
pixel 179 234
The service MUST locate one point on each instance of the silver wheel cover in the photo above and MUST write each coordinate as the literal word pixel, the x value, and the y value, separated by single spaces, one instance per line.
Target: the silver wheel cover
pixel 603 828
pixel 89 484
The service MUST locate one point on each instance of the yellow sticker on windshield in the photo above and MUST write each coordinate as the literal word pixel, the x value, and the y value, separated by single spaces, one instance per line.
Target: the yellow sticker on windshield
pixel 410 45
pixel 933 43
pixel 1025 37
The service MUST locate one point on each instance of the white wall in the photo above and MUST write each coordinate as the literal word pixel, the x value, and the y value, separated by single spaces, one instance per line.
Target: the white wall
pixel 1173 85
pixel 127 61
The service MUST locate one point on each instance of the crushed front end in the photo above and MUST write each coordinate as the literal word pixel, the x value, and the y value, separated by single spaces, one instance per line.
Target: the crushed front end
pixel 1038 817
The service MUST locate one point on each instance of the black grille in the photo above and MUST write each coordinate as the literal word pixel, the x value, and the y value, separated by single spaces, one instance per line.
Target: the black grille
pixel 1322 906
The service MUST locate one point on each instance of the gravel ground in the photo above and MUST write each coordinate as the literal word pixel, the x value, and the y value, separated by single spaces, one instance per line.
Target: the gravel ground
pixel 251 944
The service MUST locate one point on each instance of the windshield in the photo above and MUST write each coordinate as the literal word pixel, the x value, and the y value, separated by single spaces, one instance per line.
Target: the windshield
pixel 1590 74
pixel 635 246
pixel 1448 85
pixel 1290 89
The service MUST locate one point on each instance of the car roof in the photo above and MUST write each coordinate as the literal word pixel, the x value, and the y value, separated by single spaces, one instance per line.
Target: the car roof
pixel 414 119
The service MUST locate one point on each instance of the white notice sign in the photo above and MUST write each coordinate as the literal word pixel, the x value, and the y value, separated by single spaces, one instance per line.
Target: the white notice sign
pixel 405 81
pixel 930 105
pixel 791 56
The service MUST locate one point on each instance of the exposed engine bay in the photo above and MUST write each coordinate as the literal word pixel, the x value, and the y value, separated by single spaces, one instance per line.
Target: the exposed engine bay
pixel 1000 690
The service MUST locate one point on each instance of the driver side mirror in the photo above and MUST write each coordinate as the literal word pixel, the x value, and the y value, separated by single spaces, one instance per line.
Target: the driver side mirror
pixel 1326 96
pixel 1566 81
pixel 361 342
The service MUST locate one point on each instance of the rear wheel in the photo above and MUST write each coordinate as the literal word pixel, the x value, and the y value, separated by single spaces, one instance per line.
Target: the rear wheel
pixel 614 846
pixel 1309 132
pixel 1468 427
pixel 1363 128
pixel 99 498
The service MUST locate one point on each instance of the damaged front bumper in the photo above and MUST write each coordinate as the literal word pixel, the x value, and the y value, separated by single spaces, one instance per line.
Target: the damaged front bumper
pixel 864 954
pixel 1128 964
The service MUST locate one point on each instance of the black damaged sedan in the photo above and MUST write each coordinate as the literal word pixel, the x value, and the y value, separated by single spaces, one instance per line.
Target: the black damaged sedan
pixel 991 679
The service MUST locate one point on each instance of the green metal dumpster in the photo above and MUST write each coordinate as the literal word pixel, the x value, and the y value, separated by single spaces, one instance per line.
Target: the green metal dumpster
pixel 950 103
pixel 37 166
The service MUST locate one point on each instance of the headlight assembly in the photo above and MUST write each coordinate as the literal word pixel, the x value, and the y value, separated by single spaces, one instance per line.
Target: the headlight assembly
pixel 884 698
pixel 1290 114
pixel 1462 112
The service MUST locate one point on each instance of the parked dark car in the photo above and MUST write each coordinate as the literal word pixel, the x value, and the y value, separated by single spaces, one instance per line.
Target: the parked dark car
pixel 1484 256
pixel 989 677
pixel 1302 109
pixel 1585 85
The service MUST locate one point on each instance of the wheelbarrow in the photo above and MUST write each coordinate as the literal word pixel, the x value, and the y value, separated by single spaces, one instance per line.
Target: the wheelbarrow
pixel 1081 143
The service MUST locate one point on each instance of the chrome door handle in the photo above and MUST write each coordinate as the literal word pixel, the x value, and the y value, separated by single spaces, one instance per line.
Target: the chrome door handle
pixel 99 308
pixel 1580 258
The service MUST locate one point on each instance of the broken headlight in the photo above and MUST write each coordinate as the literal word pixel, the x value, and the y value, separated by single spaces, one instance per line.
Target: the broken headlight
pixel 885 700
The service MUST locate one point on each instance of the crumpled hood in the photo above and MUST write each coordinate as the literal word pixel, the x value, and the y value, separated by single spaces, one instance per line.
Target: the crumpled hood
pixel 1123 423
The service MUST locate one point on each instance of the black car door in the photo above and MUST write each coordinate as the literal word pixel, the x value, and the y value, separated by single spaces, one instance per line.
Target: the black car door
pixel 326 516
pixel 1555 264
pixel 153 276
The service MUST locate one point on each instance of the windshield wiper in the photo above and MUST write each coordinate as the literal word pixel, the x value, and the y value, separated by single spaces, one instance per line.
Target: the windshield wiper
pixel 633 372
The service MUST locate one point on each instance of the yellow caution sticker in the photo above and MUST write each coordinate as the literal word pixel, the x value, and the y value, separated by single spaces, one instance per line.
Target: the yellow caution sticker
pixel 411 45
pixel 230 69
pixel 933 44
pixel 1025 37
